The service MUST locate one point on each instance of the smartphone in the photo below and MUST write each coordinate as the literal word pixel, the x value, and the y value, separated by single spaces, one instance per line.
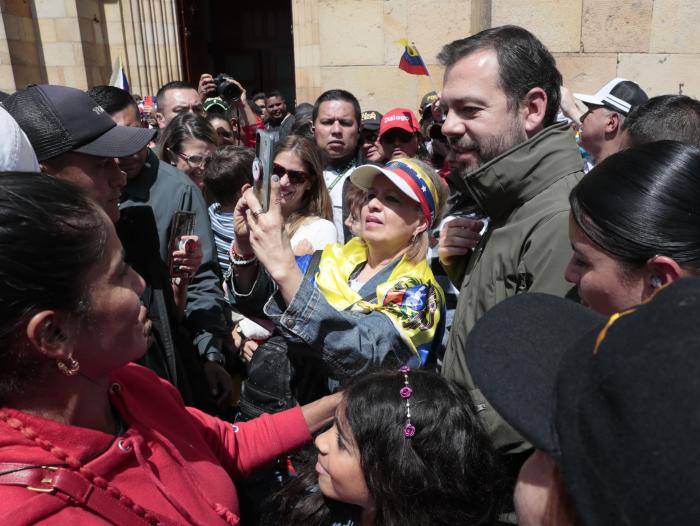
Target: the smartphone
pixel 262 167
pixel 182 224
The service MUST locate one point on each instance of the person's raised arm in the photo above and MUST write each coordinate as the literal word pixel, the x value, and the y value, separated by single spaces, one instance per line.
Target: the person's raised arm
pixel 268 238
pixel 247 116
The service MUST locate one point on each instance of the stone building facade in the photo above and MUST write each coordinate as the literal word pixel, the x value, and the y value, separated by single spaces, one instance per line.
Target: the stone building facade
pixel 354 43
pixel 76 42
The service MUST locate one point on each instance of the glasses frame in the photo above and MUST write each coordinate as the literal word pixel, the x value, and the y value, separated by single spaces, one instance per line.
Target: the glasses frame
pixel 188 159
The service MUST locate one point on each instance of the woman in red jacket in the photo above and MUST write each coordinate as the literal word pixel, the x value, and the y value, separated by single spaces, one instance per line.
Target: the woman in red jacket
pixel 86 436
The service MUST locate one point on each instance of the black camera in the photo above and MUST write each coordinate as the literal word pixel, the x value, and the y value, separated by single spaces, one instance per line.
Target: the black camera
pixel 226 89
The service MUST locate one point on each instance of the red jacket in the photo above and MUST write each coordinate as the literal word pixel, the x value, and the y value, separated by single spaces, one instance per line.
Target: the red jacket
pixel 169 457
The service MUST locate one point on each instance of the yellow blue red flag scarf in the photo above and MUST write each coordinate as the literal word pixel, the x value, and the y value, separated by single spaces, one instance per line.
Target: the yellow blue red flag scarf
pixel 411 297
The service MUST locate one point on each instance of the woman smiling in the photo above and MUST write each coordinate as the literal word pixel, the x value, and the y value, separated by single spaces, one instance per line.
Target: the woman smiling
pixel 373 301
pixel 304 200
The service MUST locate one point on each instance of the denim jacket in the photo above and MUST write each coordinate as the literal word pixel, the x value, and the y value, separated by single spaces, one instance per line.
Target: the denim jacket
pixel 341 343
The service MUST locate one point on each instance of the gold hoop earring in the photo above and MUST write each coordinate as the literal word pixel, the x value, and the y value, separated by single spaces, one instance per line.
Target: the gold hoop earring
pixel 69 367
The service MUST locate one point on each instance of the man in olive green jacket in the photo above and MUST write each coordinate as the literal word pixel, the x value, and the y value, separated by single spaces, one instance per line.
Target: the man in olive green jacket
pixel 514 165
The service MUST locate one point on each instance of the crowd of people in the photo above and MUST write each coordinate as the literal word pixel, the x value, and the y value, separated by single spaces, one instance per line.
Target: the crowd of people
pixel 481 313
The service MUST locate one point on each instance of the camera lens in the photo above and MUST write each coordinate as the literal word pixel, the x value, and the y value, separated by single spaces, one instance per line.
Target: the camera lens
pixel 226 89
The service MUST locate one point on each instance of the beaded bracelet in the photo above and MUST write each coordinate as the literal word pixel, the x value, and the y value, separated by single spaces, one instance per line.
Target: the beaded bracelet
pixel 241 260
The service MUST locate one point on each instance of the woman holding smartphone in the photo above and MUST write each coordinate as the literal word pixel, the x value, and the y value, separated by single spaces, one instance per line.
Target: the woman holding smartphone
pixel 304 199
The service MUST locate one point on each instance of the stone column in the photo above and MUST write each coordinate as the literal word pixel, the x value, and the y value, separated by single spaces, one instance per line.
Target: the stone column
pixel 61 42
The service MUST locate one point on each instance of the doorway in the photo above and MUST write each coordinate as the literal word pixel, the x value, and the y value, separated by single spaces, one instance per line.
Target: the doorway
pixel 249 40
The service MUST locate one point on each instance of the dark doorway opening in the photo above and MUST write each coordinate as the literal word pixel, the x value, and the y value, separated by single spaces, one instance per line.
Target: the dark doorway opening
pixel 249 40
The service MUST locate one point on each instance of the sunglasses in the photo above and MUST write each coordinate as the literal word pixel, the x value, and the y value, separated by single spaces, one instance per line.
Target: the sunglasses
pixel 391 136
pixel 369 137
pixel 196 161
pixel 294 176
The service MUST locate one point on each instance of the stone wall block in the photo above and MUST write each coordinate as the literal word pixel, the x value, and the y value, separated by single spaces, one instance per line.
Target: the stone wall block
pixel 59 54
pixel 76 77
pixel 47 30
pixel 7 78
pixel 660 74
pixel 454 18
pixel 17 7
pixel 616 25
pixel 557 23
pixel 674 26
pixel 67 30
pixel 24 53
pixel 12 27
pixel 351 32
pixel 586 73
pixel 51 8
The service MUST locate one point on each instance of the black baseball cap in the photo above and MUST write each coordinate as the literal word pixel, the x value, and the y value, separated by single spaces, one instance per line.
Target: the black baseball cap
pixel 59 119
pixel 615 401
pixel 370 120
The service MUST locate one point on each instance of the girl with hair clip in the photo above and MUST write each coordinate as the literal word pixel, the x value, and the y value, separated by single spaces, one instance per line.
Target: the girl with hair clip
pixel 635 225
pixel 304 199
pixel 405 447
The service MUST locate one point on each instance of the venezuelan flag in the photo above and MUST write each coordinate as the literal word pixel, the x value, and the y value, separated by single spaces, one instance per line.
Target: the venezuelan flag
pixel 411 61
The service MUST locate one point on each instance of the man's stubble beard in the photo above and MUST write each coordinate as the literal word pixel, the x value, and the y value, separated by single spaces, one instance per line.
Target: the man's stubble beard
pixel 487 149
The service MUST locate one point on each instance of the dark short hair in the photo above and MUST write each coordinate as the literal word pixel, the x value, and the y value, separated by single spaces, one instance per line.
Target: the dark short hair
pixel 52 235
pixel 274 93
pixel 523 62
pixel 184 126
pixel 229 169
pixel 258 95
pixel 337 94
pixel 643 202
pixel 174 84
pixel 666 117
pixel 111 98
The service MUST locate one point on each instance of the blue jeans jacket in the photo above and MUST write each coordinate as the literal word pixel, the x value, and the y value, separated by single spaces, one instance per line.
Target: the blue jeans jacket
pixel 341 343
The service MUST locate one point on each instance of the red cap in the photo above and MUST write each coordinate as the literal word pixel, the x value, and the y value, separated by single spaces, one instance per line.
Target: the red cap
pixel 401 118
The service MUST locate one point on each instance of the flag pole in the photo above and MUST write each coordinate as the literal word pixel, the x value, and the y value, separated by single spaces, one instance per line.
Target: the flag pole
pixel 432 83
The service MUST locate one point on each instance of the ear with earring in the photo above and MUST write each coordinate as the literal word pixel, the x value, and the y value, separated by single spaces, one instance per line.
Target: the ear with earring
pixel 69 366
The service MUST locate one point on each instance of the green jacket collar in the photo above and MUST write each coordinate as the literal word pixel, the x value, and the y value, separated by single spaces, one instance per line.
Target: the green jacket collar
pixel 514 177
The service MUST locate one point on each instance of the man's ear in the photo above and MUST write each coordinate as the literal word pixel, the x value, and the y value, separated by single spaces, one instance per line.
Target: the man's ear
pixel 49 333
pixel 160 119
pixel 613 122
pixel 533 108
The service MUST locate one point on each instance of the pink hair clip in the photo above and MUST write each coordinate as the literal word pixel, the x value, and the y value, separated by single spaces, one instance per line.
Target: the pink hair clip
pixel 406 391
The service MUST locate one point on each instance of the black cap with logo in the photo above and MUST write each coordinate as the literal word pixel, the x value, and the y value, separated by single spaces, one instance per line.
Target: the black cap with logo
pixel 59 119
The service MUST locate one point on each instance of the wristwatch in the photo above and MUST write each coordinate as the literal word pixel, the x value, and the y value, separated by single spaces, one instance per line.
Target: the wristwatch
pixel 216 357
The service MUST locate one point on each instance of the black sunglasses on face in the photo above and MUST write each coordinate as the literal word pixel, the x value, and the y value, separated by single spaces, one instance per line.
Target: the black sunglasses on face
pixel 369 137
pixel 294 176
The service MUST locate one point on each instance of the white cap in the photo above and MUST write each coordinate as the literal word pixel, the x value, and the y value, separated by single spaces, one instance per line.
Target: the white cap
pixel 619 95
pixel 16 153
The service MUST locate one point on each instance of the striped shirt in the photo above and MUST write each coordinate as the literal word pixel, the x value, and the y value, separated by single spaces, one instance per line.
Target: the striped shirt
pixel 222 226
